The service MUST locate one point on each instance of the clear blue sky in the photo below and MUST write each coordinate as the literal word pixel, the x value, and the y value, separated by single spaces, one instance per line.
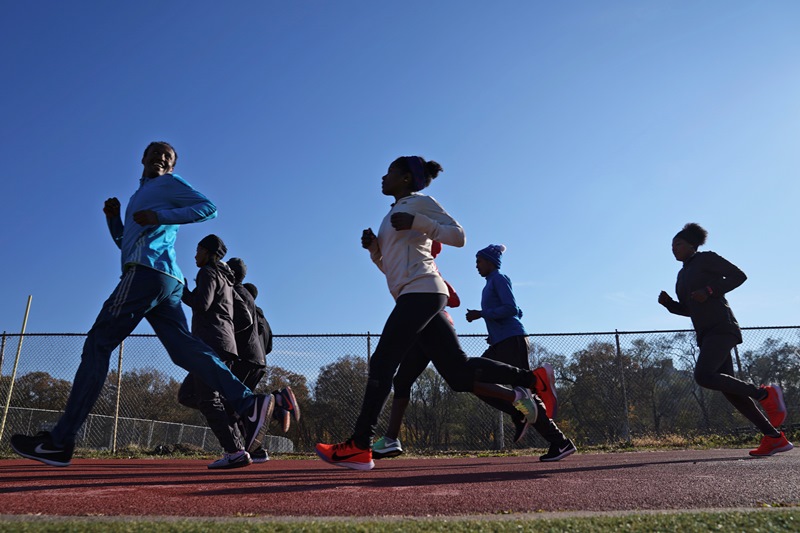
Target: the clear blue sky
pixel 582 135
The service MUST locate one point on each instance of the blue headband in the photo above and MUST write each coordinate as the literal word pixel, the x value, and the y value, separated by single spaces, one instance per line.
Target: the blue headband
pixel 415 165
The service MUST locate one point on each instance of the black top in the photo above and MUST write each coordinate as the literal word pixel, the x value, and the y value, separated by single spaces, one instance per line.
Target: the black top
pixel 245 320
pixel 212 309
pixel 714 316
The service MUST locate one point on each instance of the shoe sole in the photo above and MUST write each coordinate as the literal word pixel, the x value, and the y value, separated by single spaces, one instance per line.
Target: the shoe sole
pixel 534 413
pixel 551 384
pixel 48 462
pixel 259 461
pixel 782 413
pixel 261 427
pixel 295 407
pixel 523 433
pixel 387 454
pixel 558 457
pixel 345 464
pixel 231 466
pixel 773 452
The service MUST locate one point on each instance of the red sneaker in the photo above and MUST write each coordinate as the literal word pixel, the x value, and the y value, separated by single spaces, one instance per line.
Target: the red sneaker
pixel 346 454
pixel 772 445
pixel 545 388
pixel 773 405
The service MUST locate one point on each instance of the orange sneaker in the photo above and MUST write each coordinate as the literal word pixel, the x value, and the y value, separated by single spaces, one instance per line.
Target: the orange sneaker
pixel 772 445
pixel 773 405
pixel 545 388
pixel 346 454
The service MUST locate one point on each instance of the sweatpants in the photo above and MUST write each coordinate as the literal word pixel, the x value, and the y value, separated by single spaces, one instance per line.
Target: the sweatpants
pixel 143 293
pixel 714 370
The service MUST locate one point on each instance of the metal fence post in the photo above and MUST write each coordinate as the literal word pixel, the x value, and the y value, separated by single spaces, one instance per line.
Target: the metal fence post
pixel 369 347
pixel 2 352
pixel 119 393
pixel 626 431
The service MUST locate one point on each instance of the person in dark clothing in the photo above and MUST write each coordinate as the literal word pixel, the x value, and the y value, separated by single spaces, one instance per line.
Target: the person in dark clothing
pixel 251 366
pixel 264 330
pixel 508 343
pixel 212 322
pixel 701 287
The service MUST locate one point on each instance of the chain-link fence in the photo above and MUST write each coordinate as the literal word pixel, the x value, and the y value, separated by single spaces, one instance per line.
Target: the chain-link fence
pixel 612 387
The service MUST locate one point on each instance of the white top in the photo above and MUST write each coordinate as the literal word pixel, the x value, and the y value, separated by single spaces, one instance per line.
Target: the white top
pixel 405 256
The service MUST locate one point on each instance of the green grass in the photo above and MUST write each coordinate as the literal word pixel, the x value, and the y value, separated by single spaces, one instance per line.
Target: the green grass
pixel 771 521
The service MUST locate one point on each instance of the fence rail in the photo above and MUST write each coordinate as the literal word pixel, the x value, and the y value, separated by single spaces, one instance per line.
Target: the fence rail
pixel 612 387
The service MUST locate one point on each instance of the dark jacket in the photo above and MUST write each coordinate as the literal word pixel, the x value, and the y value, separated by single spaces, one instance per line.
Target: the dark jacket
pixel 212 309
pixel 245 321
pixel 264 331
pixel 714 316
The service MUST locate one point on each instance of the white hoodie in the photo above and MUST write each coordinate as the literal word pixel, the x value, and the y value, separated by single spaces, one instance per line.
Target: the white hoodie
pixel 405 256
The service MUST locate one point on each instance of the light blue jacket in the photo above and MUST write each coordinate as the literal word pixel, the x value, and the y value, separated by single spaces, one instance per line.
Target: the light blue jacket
pixel 175 202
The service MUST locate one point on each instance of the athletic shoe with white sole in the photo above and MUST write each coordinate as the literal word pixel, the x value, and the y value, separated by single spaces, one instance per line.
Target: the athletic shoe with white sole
pixel 386 447
pixel 231 460
pixel 256 421
pixel 559 451
pixel 526 404
pixel 40 447
pixel 285 399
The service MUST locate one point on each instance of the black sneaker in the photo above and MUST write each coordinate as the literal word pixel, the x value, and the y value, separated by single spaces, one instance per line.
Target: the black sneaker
pixel 520 429
pixel 559 451
pixel 259 455
pixel 256 421
pixel 40 447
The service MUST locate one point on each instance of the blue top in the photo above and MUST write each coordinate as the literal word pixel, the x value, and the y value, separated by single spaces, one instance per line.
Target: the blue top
pixel 175 202
pixel 499 309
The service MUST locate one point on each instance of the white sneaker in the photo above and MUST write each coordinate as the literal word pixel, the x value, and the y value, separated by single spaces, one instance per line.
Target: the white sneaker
pixel 231 460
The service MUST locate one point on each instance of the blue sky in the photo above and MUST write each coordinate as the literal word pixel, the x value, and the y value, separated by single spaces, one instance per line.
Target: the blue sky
pixel 581 135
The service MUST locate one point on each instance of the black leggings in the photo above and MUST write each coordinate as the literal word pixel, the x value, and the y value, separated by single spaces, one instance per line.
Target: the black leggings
pixel 417 318
pixel 714 370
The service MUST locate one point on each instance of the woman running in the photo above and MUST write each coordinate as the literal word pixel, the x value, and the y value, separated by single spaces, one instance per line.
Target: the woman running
pixel 402 251
pixel 701 287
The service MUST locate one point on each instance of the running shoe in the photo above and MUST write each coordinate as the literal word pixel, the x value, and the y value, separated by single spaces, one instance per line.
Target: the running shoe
pixel 545 388
pixel 771 446
pixel 285 399
pixel 526 404
pixel 256 421
pixel 231 460
pixel 283 417
pixel 346 454
pixel 40 447
pixel 558 451
pixel 386 447
pixel 259 455
pixel 773 405
pixel 520 429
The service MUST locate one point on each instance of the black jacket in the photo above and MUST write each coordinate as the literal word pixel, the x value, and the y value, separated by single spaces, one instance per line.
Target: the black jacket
pixel 212 309
pixel 264 331
pixel 707 270
pixel 245 320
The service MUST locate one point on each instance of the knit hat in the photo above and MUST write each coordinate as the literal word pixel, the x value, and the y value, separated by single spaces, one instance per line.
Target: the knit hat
pixel 214 245
pixel 238 267
pixel 492 253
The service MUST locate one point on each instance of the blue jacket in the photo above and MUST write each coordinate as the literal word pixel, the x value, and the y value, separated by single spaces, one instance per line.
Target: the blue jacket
pixel 499 309
pixel 175 202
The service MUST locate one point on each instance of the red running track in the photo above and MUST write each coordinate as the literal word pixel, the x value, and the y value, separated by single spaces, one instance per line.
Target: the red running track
pixel 689 479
